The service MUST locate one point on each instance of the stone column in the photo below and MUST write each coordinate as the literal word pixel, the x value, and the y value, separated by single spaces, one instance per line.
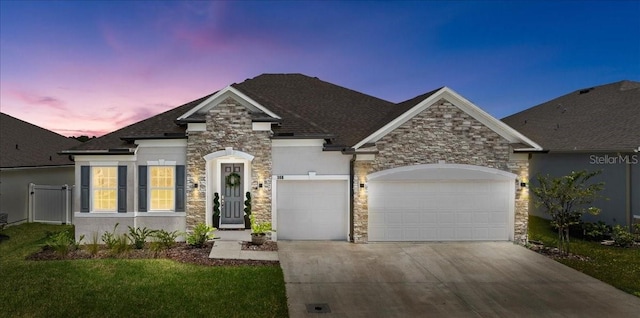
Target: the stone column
pixel 361 202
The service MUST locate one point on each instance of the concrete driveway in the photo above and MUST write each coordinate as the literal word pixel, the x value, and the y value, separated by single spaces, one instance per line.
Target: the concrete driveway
pixel 488 279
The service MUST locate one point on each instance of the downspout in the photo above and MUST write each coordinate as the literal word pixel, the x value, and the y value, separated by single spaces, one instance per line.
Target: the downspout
pixel 628 195
pixel 351 194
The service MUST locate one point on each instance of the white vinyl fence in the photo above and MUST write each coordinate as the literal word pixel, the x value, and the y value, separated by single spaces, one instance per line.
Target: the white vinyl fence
pixel 50 203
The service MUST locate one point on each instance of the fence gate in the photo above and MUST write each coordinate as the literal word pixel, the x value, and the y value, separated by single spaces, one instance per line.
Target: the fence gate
pixel 50 203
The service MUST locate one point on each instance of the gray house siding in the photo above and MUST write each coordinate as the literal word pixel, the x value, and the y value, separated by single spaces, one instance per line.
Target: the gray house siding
pixel 89 223
pixel 14 187
pixel 620 174
pixel 177 154
pixel 302 160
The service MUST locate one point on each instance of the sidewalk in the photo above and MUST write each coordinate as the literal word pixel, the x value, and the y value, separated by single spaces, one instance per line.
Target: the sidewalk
pixel 228 245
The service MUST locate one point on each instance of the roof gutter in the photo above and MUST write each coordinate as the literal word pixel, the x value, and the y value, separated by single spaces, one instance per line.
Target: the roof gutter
pixel 586 151
pixel 351 151
pixel 527 150
pixel 293 136
pixel 164 136
pixel 115 151
pixel 36 167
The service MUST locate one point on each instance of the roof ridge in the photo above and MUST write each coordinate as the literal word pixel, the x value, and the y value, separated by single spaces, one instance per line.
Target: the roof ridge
pixel 626 85
pixel 36 126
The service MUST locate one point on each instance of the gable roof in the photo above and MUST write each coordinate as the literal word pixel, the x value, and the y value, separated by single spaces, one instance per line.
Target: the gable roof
pixel 418 104
pixel 601 118
pixel 26 145
pixel 302 106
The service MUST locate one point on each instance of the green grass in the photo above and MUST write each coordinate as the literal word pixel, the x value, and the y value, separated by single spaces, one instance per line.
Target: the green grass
pixel 616 266
pixel 125 288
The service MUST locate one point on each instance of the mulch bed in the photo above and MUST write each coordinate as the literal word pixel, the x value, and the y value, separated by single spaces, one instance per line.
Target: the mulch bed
pixel 181 252
pixel 554 252
pixel 267 246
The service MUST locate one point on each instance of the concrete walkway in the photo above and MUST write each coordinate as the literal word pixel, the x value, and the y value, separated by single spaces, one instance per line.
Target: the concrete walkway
pixel 228 245
pixel 488 279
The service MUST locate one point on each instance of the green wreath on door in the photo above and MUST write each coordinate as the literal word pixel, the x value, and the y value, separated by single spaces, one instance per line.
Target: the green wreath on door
pixel 232 180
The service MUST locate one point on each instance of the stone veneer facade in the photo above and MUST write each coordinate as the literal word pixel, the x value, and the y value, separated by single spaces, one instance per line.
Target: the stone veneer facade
pixel 228 124
pixel 442 132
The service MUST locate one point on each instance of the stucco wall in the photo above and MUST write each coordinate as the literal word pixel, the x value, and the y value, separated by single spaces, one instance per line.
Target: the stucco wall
pixel 302 160
pixel 14 188
pixel 177 154
pixel 90 225
pixel 441 133
pixel 614 175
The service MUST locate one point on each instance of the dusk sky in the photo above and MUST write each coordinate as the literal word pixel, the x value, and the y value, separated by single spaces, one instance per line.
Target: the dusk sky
pixel 88 68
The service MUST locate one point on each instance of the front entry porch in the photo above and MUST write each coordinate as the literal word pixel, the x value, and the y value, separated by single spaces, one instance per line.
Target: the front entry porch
pixel 229 178
pixel 228 245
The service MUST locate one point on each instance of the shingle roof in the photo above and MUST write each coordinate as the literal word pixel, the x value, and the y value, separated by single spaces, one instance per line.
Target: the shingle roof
pixel 604 118
pixel 162 126
pixel 308 107
pixel 26 145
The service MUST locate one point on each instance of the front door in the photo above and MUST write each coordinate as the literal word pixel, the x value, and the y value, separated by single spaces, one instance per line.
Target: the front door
pixel 232 185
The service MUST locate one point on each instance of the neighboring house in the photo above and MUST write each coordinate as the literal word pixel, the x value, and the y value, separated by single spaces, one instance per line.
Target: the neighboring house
pixel 594 128
pixel 322 162
pixel 29 154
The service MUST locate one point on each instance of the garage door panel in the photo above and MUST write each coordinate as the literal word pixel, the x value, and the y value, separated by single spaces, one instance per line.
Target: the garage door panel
pixel 430 211
pixel 312 209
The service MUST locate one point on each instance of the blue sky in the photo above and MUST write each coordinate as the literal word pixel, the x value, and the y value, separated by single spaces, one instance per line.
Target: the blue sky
pixel 92 67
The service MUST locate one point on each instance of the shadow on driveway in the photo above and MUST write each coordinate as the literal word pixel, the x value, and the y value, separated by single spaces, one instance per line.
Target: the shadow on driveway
pixel 483 279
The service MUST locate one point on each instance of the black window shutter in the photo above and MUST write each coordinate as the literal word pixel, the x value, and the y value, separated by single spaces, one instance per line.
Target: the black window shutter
pixel 142 188
pixel 122 189
pixel 85 177
pixel 180 193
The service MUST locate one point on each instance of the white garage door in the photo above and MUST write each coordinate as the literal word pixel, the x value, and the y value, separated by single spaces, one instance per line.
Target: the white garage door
pixel 312 209
pixel 440 210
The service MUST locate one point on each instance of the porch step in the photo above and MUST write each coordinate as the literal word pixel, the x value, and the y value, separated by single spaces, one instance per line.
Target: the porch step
pixel 233 250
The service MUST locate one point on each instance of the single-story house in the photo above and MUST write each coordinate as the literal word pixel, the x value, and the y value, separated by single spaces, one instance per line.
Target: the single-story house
pixel 322 162
pixel 29 154
pixel 595 128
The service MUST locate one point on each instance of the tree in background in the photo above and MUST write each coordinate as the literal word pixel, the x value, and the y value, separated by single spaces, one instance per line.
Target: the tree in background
pixel 566 199
pixel 83 138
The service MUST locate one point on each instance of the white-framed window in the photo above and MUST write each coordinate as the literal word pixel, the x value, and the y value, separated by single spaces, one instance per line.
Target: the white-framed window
pixel 104 186
pixel 162 188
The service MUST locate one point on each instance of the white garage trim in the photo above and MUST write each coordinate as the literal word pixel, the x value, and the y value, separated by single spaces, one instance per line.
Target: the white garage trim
pixel 441 171
pixel 440 202
pixel 310 177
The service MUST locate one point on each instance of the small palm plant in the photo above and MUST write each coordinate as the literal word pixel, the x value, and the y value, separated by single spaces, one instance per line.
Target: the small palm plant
pixel 139 236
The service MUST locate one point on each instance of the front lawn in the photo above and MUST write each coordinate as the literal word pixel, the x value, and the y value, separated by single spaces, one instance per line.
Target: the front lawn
pixel 129 287
pixel 616 266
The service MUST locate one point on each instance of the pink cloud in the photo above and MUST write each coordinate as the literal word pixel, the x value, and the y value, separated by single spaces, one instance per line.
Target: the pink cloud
pixel 111 38
pixel 38 100
pixel 134 115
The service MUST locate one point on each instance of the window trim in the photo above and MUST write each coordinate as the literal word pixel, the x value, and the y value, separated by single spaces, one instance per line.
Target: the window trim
pixel 150 188
pixel 92 188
